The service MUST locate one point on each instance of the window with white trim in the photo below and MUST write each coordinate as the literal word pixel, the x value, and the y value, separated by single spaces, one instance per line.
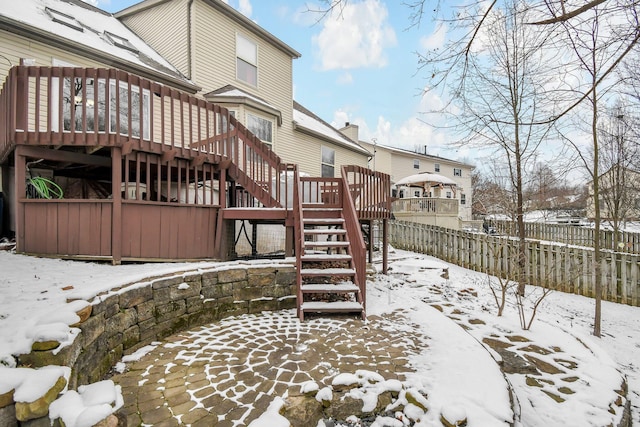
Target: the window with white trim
pixel 328 164
pixel 448 194
pixel 463 199
pixel 260 127
pixel 436 167
pixel 457 172
pixel 416 163
pixel 246 60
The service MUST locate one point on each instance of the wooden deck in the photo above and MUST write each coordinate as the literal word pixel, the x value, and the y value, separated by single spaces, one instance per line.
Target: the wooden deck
pixel 149 173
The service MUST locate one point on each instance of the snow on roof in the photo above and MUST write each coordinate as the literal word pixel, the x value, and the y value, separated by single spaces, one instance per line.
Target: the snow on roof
pixel 414 153
pixel 230 91
pixel 426 177
pixel 79 22
pixel 305 119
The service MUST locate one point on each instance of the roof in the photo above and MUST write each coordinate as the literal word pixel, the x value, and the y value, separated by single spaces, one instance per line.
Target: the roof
pixel 227 10
pixel 305 121
pixel 422 155
pixel 426 178
pixel 233 95
pixel 78 27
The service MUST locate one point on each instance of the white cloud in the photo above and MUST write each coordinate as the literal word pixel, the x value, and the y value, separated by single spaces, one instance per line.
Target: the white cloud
pixel 355 36
pixel 436 39
pixel 412 134
pixel 245 8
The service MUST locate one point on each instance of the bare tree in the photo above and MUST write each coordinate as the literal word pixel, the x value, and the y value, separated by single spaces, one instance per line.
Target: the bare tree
pixel 502 95
pixel 598 40
pixel 619 182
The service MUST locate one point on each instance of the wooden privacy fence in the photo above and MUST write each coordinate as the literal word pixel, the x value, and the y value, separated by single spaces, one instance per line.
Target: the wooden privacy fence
pixel 573 234
pixel 562 267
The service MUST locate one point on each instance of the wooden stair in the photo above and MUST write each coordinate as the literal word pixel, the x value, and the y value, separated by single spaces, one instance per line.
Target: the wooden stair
pixel 327 280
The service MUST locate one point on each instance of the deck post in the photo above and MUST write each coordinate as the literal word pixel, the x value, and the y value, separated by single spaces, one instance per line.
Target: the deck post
pixel 385 245
pixel 116 209
pixel 19 193
pixel 289 241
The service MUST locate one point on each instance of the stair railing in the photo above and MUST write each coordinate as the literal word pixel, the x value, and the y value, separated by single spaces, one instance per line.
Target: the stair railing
pixel 297 234
pixel 356 239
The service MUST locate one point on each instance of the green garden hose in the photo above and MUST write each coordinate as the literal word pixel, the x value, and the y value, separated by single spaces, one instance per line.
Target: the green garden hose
pixel 45 188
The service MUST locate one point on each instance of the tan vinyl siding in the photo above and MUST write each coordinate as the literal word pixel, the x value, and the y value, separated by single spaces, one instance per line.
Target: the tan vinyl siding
pixel 164 27
pixel 215 66
pixel 382 161
pixel 13 47
pixel 308 155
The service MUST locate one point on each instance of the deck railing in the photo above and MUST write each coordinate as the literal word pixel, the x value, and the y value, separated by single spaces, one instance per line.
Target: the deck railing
pixel 427 205
pixel 56 106
pixel 370 191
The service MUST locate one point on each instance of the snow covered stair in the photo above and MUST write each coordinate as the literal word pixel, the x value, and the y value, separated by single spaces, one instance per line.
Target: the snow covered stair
pixel 327 276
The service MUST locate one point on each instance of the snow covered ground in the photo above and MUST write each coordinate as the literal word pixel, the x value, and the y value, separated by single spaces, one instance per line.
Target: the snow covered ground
pixel 35 290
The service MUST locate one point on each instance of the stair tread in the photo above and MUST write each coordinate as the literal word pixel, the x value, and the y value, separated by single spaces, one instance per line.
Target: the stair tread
pixel 327 271
pixel 326 257
pixel 312 221
pixel 330 288
pixel 325 231
pixel 325 244
pixel 337 306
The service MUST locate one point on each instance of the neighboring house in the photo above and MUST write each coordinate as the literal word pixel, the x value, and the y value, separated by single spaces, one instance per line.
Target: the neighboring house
pixel 243 67
pixel 619 189
pixel 446 189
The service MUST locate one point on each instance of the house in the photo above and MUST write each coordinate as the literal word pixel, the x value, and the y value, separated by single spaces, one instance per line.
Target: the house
pixel 110 152
pixel 246 69
pixel 429 189
pixel 619 189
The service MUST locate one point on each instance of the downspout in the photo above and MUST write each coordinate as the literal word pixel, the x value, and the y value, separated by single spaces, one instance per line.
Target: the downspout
pixel 189 55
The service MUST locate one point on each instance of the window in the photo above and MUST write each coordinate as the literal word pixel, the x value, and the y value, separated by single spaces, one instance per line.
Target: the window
pixel 457 172
pixel 463 199
pixel 416 193
pixel 448 194
pixel 328 162
pixel 260 127
pixel 73 94
pixel 82 101
pixel 136 99
pixel 436 167
pixel 63 19
pixel 416 163
pixel 116 40
pixel 246 60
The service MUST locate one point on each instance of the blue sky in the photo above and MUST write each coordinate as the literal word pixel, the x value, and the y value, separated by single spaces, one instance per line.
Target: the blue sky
pixel 359 67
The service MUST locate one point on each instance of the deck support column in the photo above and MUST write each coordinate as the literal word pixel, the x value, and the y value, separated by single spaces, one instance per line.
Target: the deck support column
pixel 289 241
pixel 116 213
pixel 385 245
pixel 19 193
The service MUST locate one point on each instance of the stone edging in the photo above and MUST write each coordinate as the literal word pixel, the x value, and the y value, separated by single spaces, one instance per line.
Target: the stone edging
pixel 134 316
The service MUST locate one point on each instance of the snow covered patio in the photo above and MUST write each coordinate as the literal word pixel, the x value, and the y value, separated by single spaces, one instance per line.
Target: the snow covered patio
pixel 431 337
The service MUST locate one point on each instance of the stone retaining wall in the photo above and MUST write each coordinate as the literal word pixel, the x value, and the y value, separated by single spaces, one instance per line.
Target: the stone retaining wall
pixel 134 316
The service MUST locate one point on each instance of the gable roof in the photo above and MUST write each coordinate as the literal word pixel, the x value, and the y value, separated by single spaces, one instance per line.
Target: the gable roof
pixel 305 121
pixel 78 27
pixel 227 10
pixel 405 152
pixel 233 95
